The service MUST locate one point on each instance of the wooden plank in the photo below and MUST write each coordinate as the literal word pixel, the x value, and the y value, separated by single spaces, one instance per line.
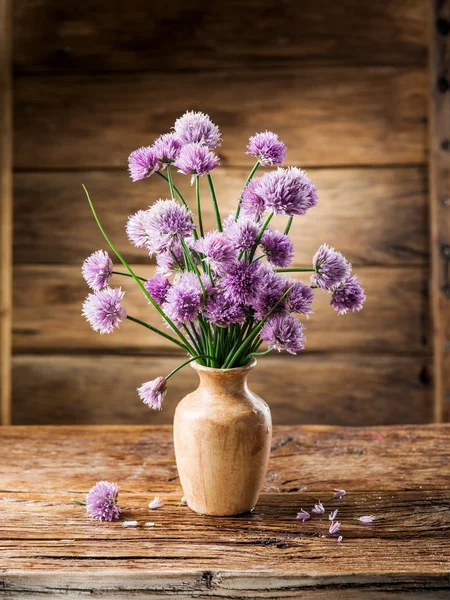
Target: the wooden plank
pixel 5 210
pixel 398 474
pixel 193 34
pixel 379 115
pixel 439 175
pixel 47 314
pixel 373 216
pixel 329 389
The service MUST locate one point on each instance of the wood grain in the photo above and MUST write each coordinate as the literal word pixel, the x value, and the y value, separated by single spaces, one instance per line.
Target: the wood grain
pixel 378 115
pixel 333 389
pixel 193 34
pixel 6 210
pixel 439 176
pixel 48 299
pixel 373 216
pixel 397 474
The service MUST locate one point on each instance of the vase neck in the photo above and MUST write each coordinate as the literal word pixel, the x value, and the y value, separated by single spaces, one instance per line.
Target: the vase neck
pixel 233 380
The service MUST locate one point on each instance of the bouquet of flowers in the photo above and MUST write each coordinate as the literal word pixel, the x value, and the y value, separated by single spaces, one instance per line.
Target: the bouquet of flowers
pixel 224 293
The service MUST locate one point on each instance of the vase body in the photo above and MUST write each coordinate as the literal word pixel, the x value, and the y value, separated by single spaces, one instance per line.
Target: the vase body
pixel 222 436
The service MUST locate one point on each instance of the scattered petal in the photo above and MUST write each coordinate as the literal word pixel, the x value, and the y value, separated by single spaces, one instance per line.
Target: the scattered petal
pixel 130 524
pixel 183 501
pixel 367 519
pixel 339 494
pixel 319 508
pixel 150 524
pixel 303 515
pixel 332 515
pixel 156 503
pixel 334 527
pixel 340 538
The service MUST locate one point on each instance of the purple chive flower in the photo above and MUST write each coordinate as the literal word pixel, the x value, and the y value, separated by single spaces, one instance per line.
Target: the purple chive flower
pixel 278 248
pixel 158 287
pixel 135 229
pixel 339 494
pixel 97 270
pixel 283 332
pixel 267 148
pixel 103 310
pixel 241 233
pixel 286 191
pixel 269 293
pixel 303 515
pixel 170 261
pixel 242 282
pixel 196 160
pixel 167 148
pixel 184 299
pixel 142 163
pixel 101 501
pixel 221 311
pixel 331 268
pixel 367 519
pixel 167 222
pixel 152 392
pixel 332 516
pixel 252 202
pixel 218 251
pixel 348 295
pixel 319 508
pixel 197 128
pixel 334 527
pixel 299 299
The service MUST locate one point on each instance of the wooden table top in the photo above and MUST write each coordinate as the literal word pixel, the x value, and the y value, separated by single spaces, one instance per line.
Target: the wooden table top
pixel 399 474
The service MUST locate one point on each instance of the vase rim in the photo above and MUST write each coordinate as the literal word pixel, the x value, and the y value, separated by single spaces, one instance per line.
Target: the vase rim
pixel 247 367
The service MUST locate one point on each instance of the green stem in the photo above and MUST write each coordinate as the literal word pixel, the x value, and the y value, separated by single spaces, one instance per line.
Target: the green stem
pixel 254 332
pixel 186 363
pixel 199 210
pixel 250 176
pixel 259 236
pixel 261 353
pixel 169 178
pixel 188 347
pixel 214 201
pixel 258 258
pixel 288 226
pixel 79 502
pixel 156 330
pixel 127 275
pixel 301 270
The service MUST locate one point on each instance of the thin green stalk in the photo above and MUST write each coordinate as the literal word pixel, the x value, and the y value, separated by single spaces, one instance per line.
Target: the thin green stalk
pixel 188 347
pixel 258 258
pixel 79 502
pixel 156 330
pixel 288 226
pixel 184 364
pixel 199 210
pixel 260 234
pixel 300 270
pixel 169 178
pixel 261 353
pixel 214 201
pixel 256 330
pixel 188 258
pixel 250 176
pixel 127 275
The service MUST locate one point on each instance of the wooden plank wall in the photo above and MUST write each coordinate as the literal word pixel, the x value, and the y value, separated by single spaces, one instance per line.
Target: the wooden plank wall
pixel 343 83
pixel 5 209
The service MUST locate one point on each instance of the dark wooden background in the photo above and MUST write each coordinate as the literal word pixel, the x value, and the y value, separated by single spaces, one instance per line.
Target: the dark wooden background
pixel 345 84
